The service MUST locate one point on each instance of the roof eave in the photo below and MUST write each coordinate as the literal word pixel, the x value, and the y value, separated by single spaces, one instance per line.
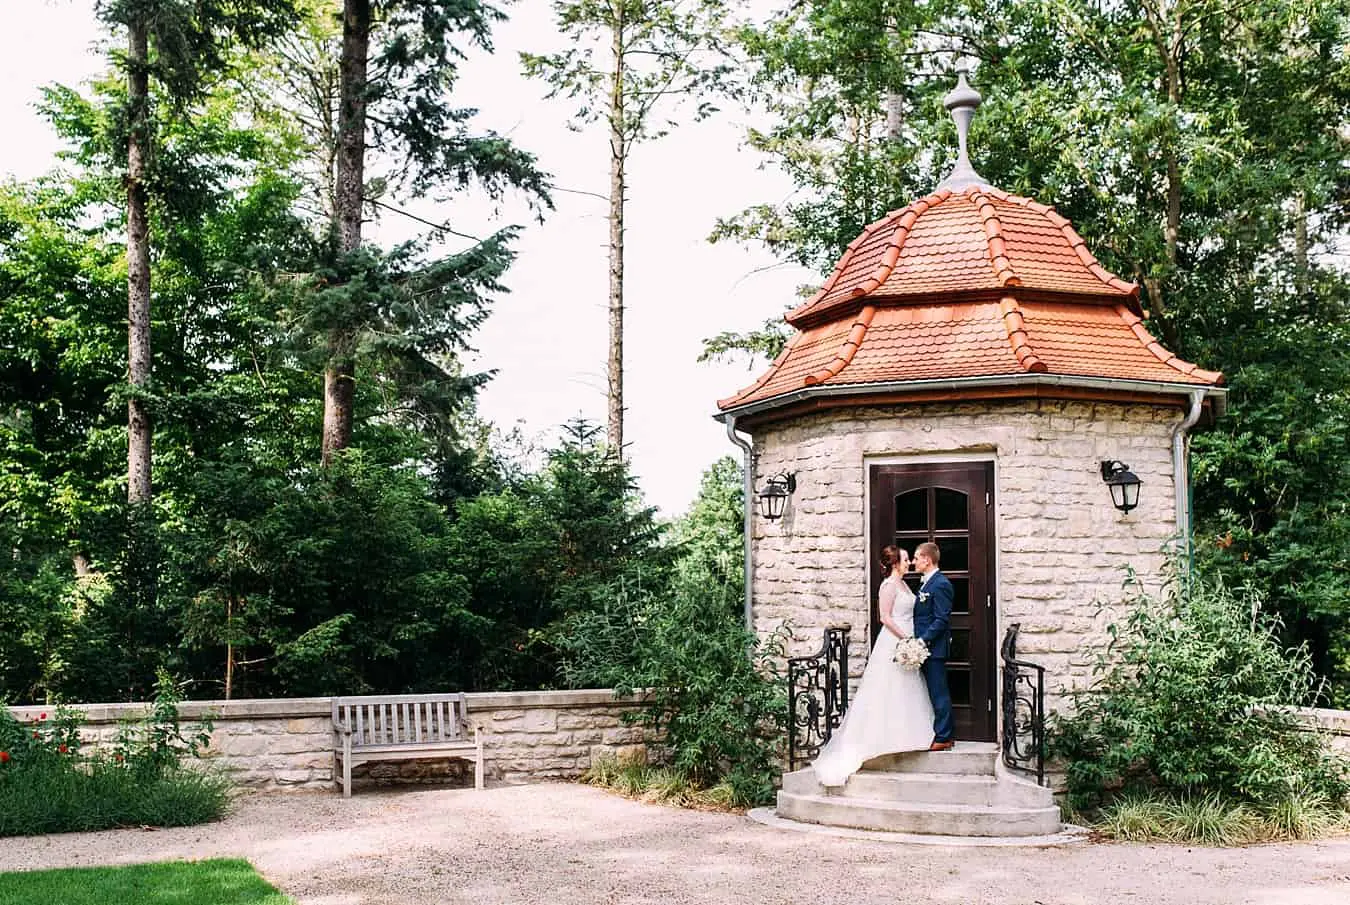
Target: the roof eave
pixel 1217 394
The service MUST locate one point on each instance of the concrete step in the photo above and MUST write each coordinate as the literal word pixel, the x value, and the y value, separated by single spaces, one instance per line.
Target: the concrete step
pixel 935 788
pixel 967 758
pixel 919 817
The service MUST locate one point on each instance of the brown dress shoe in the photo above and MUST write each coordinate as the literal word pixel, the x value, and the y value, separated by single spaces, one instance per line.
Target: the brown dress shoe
pixel 941 746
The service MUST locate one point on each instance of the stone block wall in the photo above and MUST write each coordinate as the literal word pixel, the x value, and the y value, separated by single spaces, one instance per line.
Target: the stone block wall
pixel 1335 723
pixel 288 743
pixel 1061 546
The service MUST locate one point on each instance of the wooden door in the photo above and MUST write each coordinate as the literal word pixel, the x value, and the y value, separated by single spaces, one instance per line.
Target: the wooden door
pixel 952 505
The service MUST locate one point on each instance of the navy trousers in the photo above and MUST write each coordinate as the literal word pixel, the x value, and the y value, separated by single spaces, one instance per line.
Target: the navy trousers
pixel 935 675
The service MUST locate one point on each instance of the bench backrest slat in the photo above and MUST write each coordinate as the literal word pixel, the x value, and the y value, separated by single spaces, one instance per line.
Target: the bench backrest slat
pixel 402 719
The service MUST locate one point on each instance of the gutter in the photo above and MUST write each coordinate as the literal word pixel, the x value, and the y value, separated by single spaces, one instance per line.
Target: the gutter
pixel 962 384
pixel 748 469
pixel 1181 473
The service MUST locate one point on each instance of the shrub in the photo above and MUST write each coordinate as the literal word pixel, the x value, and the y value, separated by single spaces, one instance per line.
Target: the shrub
pixel 712 688
pixel 48 785
pixel 1192 701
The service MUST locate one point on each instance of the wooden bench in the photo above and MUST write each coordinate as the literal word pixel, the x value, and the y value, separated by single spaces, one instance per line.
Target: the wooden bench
pixel 401 727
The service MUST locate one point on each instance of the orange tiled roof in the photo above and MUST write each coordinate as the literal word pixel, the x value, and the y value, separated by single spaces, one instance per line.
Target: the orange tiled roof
pixel 976 283
pixel 980 238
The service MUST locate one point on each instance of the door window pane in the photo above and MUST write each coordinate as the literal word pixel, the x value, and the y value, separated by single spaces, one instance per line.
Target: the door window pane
pixel 952 513
pixel 911 511
pixel 958 682
pixel 960 595
pixel 955 554
pixel 960 648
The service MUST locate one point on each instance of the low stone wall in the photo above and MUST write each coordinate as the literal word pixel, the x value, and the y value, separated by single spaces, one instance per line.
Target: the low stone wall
pixel 1336 723
pixel 288 743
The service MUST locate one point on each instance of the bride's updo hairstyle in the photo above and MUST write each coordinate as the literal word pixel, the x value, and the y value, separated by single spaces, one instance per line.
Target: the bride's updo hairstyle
pixel 890 555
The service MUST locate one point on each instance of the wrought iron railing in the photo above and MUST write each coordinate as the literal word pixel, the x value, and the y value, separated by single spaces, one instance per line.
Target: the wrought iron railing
pixel 817 695
pixel 1023 710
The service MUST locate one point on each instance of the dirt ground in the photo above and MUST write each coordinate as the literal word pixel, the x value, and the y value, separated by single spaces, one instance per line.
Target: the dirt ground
pixel 569 845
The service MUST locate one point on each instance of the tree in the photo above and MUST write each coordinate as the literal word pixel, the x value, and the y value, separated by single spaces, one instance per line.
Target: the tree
pixel 398 61
pixel 710 537
pixel 560 544
pixel 181 46
pixel 659 52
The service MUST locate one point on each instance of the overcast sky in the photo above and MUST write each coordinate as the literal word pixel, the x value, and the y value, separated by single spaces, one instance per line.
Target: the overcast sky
pixel 547 338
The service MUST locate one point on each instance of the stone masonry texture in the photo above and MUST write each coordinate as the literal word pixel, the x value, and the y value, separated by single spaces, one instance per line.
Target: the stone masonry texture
pixel 288 743
pixel 1062 548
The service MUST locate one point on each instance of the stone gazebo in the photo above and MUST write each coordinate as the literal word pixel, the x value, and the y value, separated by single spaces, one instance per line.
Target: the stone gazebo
pixel 969 374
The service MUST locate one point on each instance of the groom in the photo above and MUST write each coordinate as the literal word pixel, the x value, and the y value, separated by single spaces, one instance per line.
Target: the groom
pixel 932 625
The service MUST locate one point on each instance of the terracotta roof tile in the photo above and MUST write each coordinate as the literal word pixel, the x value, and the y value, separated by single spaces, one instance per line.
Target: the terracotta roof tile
pixel 981 238
pixel 881 316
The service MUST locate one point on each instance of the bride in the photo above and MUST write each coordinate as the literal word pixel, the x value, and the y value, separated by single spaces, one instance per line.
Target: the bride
pixel 891 711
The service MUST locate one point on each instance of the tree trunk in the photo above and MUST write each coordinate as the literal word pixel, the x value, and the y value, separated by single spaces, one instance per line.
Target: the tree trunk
pixel 229 646
pixel 339 379
pixel 618 154
pixel 894 115
pixel 138 264
pixel 895 102
pixel 1167 38
pixel 1302 281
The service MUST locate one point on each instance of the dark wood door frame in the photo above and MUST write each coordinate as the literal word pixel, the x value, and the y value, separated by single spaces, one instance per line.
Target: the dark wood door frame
pixel 952 504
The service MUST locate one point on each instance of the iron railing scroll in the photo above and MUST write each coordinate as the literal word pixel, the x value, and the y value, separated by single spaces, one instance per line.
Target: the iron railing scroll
pixel 1023 710
pixel 817 696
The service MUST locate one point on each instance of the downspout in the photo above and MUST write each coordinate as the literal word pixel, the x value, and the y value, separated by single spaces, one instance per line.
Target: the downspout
pixel 1181 473
pixel 748 469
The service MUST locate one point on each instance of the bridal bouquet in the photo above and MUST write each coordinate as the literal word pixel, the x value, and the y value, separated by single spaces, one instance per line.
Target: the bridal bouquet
pixel 910 653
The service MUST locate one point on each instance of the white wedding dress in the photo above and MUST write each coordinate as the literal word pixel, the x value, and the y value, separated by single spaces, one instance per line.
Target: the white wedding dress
pixel 891 711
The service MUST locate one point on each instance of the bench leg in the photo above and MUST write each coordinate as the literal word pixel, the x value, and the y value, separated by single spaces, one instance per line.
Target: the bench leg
pixel 347 767
pixel 478 758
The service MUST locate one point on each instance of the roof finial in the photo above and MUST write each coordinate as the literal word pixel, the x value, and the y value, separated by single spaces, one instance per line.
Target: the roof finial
pixel 962 102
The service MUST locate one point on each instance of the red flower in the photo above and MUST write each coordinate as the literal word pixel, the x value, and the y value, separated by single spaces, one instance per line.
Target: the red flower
pixel 35 735
pixel 117 757
pixel 4 757
pixel 42 716
pixel 63 749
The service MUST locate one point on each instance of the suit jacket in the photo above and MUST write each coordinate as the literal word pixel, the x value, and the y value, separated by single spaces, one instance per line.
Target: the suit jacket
pixel 933 614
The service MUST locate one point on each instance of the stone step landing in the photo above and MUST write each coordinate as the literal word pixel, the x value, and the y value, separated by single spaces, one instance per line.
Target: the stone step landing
pixel 955 793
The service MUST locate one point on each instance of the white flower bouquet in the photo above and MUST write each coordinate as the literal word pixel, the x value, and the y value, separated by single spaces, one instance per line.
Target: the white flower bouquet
pixel 910 653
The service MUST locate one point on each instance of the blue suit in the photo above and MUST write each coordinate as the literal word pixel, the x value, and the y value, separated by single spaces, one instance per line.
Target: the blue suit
pixel 932 625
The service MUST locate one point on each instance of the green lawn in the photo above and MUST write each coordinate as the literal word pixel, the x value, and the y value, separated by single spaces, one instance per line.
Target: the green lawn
pixel 221 881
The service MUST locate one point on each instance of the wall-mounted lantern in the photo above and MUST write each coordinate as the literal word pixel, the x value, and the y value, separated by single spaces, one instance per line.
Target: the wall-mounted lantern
pixel 1123 484
pixel 774 496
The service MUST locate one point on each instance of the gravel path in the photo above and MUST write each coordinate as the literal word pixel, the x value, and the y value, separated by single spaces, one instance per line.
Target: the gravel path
pixel 574 845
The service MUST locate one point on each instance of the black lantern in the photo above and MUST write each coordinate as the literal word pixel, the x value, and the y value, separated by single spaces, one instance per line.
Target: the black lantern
pixel 1123 484
pixel 774 496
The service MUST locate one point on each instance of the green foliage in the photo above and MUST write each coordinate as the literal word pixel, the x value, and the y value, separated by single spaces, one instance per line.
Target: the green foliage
pixel 1274 480
pixel 192 41
pixel 219 881
pixel 668 53
pixel 634 778
pixel 550 547
pixel 1214 820
pixel 48 785
pixel 710 536
pixel 253 570
pixel 414 66
pixel 1192 699
pixel 714 689
pixel 157 745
